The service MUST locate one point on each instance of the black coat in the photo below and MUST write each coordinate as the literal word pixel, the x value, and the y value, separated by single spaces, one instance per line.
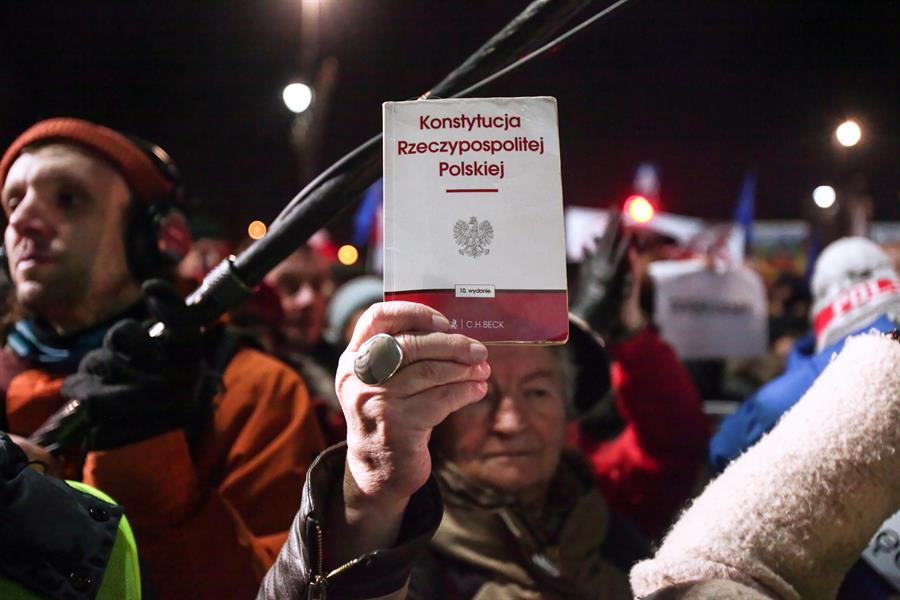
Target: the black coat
pixel 54 540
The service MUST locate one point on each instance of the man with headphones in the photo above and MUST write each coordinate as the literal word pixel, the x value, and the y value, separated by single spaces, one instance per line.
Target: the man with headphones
pixel 207 463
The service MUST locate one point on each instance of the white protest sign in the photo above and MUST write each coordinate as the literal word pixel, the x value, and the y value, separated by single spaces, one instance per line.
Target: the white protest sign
pixel 707 313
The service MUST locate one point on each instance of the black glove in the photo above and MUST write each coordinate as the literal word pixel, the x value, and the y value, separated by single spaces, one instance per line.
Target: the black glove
pixel 135 386
pixel 603 279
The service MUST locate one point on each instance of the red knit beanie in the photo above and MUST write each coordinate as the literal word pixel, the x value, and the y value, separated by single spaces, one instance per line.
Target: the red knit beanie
pixel 140 172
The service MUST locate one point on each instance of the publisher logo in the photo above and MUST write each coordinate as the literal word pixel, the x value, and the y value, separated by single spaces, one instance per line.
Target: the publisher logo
pixel 470 324
pixel 475 291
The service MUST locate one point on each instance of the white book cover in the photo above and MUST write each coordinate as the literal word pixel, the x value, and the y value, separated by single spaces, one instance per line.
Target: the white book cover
pixel 473 215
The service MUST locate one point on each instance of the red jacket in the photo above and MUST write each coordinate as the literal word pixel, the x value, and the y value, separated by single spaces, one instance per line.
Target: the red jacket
pixel 209 519
pixel 648 471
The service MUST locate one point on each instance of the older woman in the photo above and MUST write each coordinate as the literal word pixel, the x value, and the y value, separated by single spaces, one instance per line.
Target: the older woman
pixel 521 517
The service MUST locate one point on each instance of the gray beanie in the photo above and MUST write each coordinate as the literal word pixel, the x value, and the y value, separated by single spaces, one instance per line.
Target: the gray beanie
pixel 356 294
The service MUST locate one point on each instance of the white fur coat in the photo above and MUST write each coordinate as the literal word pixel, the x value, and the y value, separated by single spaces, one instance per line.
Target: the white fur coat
pixel 792 514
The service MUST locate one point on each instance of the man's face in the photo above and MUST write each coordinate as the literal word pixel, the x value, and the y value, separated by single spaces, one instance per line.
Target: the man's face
pixel 65 212
pixel 304 287
pixel 512 439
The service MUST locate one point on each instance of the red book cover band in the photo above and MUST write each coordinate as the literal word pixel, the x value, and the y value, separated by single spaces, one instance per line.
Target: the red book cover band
pixel 491 315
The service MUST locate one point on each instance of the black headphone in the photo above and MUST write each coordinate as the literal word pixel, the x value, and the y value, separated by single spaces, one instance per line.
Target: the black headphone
pixel 4 263
pixel 158 236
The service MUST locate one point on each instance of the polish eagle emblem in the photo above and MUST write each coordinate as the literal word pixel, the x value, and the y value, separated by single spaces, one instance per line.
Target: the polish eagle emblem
pixel 474 237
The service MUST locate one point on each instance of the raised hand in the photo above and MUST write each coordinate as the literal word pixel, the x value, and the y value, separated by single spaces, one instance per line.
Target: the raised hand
pixel 389 425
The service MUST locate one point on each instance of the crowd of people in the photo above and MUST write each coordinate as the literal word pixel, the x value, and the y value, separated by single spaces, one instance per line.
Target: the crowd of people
pixel 459 471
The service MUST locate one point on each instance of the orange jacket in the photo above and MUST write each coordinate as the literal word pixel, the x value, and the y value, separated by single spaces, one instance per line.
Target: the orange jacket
pixel 209 519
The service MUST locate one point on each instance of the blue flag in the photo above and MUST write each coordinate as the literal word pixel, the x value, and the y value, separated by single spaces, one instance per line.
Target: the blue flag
pixel 743 212
pixel 365 215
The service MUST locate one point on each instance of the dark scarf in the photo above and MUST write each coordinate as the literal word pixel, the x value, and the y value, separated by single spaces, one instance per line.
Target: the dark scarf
pixel 36 341
pixel 552 551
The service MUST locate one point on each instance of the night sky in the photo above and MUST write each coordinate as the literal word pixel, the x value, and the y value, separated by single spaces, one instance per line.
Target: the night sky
pixel 707 90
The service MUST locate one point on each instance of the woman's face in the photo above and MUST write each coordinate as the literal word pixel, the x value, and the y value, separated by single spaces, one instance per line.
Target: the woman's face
pixel 512 439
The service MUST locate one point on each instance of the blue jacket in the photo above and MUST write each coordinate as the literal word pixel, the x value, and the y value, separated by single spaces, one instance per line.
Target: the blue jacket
pixel 759 413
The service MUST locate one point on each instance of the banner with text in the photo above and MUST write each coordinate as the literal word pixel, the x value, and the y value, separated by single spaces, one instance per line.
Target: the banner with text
pixel 710 313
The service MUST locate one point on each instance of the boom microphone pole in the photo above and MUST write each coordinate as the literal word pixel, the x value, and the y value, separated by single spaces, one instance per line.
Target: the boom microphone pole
pixel 335 189
pixel 324 198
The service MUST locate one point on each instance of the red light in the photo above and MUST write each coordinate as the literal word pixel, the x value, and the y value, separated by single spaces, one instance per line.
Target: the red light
pixel 639 209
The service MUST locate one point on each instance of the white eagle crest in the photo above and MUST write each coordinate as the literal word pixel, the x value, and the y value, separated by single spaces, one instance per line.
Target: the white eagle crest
pixel 474 237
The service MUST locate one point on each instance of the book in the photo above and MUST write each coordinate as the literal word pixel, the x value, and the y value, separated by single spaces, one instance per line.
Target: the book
pixel 473 215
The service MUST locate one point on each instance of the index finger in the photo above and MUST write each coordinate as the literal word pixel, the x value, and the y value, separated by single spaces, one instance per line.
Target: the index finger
pixel 396 317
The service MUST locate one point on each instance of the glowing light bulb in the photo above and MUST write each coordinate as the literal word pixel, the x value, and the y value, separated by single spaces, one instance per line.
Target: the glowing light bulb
pixel 297 97
pixel 848 133
pixel 824 196
pixel 256 230
pixel 348 255
pixel 639 209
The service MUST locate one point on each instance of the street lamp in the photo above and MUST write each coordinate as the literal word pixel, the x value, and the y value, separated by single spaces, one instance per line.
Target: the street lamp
pixel 848 133
pixel 348 254
pixel 256 230
pixel 824 196
pixel 297 97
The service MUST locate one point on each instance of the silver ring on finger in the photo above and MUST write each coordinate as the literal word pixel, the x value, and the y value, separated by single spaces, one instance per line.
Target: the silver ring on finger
pixel 378 359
